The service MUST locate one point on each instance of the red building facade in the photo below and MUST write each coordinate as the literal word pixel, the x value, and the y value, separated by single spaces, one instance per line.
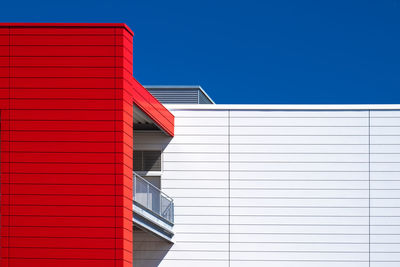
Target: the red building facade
pixel 66 97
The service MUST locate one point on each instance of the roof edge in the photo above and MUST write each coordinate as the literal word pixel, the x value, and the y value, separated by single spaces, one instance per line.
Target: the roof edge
pixel 283 107
pixel 65 25
pixel 181 87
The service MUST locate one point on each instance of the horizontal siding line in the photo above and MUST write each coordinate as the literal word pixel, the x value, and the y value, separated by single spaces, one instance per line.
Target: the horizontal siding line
pixel 266 188
pixel 68 109
pixel 281 233
pixel 276 161
pixel 190 259
pixel 277 215
pixel 278 242
pixel 103 142
pixel 266 206
pixel 68 248
pixel 63 56
pixel 389 117
pixel 232 197
pixel 66 45
pixel 74 237
pixel 232 260
pixel 275 224
pixel 67 162
pixel 63 77
pixel 65 34
pixel 266 171
pixel 344 225
pixel 70 259
pixel 66 67
pixel 64 152
pixel 278 135
pixel 74 120
pixel 258 251
pixel 283 153
pixel 67 131
pixel 85 227
pixel 63 205
pixel 72 173
pixel 280 144
pixel 55 88
pixel 75 216
pixel 278 117
pixel 178 250
pixel 275 180
pixel 283 126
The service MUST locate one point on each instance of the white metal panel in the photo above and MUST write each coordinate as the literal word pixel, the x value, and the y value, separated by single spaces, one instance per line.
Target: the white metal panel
pixel 189 184
pixel 385 188
pixel 280 220
pixel 281 188
pixel 300 211
pixel 196 157
pixel 200 113
pixel 297 114
pixel 294 122
pixel 386 140
pixel 300 157
pixel 200 139
pixel 195 166
pixel 327 202
pixel 297 148
pixel 293 131
pixel 294 140
pixel 188 130
pixel 217 220
pixel 305 263
pixel 387 148
pixel 203 175
pixel 385 130
pixel 385 113
pixel 322 185
pixel 385 175
pixel 306 247
pixel 196 148
pixel 192 263
pixel 201 122
pixel 295 167
pixel 289 176
pixel 302 193
pixel 385 121
pixel 292 238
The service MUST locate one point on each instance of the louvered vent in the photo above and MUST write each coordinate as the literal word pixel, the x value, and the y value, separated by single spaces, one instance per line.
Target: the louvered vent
pixel 147 160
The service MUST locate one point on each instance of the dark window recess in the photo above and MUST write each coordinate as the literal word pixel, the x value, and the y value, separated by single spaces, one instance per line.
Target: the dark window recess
pixel 147 160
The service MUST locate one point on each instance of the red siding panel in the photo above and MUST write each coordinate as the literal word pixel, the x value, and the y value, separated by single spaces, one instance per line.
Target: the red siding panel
pixel 66 95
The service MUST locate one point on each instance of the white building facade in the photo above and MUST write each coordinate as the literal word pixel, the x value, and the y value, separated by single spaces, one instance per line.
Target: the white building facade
pixel 278 186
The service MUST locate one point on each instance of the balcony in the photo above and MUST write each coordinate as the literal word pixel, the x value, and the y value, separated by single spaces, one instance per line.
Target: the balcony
pixel 153 210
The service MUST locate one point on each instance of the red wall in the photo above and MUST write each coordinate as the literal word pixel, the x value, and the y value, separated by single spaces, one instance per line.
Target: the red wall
pixel 66 94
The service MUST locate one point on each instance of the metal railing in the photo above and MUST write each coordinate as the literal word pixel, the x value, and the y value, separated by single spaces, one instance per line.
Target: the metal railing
pixel 152 198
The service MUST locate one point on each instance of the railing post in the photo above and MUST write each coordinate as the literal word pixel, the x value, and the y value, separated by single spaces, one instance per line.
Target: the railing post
pixel 134 186
pixel 148 196
pixel 160 212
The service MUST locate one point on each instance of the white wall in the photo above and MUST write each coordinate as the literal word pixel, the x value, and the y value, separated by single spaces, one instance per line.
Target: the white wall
pixel 385 188
pixel 279 188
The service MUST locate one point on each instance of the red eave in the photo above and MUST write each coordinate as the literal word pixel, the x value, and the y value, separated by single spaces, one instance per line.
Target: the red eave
pixel 153 108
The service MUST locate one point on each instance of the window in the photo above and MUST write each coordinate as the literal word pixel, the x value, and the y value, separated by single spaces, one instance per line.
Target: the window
pixel 147 160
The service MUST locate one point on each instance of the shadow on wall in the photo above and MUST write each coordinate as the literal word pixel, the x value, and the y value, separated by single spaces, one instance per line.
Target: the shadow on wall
pixel 148 250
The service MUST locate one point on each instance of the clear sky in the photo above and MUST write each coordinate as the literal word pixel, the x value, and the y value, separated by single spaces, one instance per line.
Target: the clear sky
pixel 251 51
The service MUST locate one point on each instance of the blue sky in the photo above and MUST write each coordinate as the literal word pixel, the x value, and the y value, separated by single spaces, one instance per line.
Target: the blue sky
pixel 253 51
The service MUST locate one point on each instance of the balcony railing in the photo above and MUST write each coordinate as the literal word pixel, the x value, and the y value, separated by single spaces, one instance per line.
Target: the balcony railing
pixel 152 198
